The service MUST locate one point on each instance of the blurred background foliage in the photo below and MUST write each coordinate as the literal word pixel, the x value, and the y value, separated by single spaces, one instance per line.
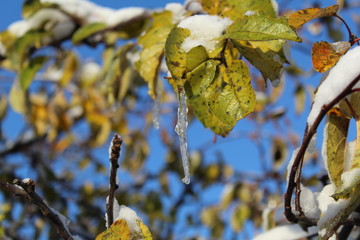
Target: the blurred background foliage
pixel 71 106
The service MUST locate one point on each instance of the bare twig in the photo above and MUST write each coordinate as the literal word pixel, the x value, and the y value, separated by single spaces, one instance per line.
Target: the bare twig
pixel 28 185
pixel 296 167
pixel 114 153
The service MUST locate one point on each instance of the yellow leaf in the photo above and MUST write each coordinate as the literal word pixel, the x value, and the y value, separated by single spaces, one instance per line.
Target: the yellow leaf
pixel 70 67
pixel 119 230
pixel 299 18
pixel 335 137
pixel 153 43
pixel 145 232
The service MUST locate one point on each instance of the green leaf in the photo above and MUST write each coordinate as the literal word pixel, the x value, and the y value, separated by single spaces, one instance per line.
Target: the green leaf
pixel 260 27
pixel 266 56
pixel 175 57
pixel 235 8
pixel 195 57
pixel 335 136
pixel 86 31
pixel 234 97
pixel 240 214
pixel 153 44
pixel 28 73
pixel 18 98
pixel 219 100
pixel 21 47
pixel 197 88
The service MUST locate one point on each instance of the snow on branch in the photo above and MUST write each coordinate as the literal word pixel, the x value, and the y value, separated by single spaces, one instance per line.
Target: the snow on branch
pixel 339 83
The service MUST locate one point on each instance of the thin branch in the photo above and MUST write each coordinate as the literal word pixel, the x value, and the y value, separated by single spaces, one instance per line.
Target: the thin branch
pixel 352 36
pixel 114 153
pixel 29 187
pixel 309 133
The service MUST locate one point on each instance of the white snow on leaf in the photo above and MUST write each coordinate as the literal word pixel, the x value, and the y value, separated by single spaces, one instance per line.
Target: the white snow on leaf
pixel 204 30
pixel 177 10
pixel 340 76
pixel 328 206
pixel 180 129
pixel 89 12
pixel 193 6
pixel 130 217
pixel 124 15
pixel 286 232
pixel 50 19
pixel 350 153
pixel 309 203
pixel 350 178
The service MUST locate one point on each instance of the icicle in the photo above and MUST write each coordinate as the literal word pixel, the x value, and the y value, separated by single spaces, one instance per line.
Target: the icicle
pixel 156 107
pixel 180 129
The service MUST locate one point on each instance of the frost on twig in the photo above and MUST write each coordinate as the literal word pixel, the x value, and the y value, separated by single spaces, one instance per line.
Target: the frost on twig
pixel 114 154
pixel 181 131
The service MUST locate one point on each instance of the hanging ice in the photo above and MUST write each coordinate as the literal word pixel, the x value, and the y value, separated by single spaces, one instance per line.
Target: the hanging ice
pixel 180 129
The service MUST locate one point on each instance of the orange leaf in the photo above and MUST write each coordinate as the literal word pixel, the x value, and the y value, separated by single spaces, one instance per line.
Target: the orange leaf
pixel 325 55
pixel 299 18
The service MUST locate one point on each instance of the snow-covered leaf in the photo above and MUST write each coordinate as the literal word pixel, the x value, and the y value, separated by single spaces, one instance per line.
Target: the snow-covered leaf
pixel 235 8
pixel 153 43
pixel 86 31
pixel 28 73
pixel 260 27
pixel 326 55
pixel 299 18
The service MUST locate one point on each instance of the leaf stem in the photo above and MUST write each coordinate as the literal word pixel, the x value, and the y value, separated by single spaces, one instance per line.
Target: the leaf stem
pixel 352 37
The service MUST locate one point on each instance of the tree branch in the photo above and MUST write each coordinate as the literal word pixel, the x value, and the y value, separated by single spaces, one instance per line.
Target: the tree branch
pixel 28 185
pixel 296 167
pixel 114 153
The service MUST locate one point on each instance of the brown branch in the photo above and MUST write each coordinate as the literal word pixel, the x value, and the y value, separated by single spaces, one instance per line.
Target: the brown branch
pixel 296 167
pixel 114 157
pixel 28 185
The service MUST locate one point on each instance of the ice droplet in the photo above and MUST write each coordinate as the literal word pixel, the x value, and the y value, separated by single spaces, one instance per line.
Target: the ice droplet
pixel 180 129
